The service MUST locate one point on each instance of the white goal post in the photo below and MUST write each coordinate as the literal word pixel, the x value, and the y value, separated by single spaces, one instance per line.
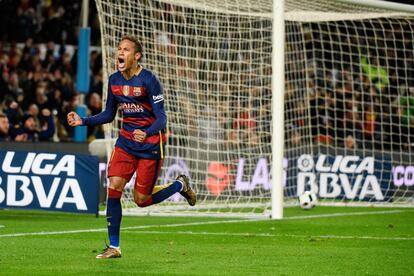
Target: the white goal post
pixel 341 84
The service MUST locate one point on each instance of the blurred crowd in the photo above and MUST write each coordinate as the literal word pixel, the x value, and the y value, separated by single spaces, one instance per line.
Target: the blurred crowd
pixel 359 91
pixel 38 70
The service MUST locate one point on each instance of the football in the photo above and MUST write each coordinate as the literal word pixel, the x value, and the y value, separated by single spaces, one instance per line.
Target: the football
pixel 307 200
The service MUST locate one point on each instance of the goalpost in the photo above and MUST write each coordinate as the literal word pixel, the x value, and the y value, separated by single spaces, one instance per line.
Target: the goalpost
pixel 348 100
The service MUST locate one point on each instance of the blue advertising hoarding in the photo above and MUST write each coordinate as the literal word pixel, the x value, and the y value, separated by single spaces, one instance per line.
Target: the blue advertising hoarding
pixel 353 177
pixel 49 181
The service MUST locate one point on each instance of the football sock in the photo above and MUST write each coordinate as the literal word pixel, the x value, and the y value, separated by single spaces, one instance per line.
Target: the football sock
pixel 114 216
pixel 162 192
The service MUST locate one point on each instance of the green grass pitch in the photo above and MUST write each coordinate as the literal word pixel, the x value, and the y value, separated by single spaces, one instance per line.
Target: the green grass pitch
pixel 323 241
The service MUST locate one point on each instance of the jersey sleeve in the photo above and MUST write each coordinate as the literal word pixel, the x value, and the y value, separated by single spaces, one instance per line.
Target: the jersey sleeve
pixel 156 98
pixel 105 116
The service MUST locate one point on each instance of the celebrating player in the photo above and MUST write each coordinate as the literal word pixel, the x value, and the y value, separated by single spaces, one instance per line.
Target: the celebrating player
pixel 140 145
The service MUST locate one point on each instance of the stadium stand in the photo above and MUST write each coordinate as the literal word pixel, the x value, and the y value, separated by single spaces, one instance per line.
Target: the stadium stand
pixel 37 65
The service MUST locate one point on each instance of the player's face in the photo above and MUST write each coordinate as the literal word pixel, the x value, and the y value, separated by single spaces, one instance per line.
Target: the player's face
pixel 127 57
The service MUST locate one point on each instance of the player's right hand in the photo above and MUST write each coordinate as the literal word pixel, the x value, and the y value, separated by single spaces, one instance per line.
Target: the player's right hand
pixel 74 119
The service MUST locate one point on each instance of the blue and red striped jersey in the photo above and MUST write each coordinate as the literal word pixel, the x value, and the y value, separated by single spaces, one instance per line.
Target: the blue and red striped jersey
pixel 141 102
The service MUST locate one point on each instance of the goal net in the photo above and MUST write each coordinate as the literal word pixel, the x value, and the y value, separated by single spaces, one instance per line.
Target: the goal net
pixel 349 99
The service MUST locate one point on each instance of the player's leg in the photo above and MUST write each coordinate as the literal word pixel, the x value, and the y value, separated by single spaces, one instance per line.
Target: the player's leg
pixel 113 217
pixel 120 169
pixel 146 193
pixel 147 172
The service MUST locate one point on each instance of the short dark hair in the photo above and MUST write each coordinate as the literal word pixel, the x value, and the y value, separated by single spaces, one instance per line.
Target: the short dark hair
pixel 138 45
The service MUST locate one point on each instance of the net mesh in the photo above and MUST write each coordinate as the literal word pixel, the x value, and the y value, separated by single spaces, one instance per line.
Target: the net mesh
pixel 349 99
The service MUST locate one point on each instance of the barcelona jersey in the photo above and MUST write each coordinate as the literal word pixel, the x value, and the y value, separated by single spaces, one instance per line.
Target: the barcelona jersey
pixel 141 102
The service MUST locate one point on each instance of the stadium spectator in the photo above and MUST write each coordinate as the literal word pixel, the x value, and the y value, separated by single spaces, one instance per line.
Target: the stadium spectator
pixel 95 107
pixel 244 127
pixel 31 131
pixel 210 125
pixel 350 142
pixel 376 73
pixel 370 118
pixel 12 110
pixel 244 124
pixel 26 24
pixel 4 128
pixel 34 111
pixel 407 104
pixel 321 117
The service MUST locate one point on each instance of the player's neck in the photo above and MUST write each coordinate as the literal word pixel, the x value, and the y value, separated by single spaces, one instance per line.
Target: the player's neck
pixel 132 72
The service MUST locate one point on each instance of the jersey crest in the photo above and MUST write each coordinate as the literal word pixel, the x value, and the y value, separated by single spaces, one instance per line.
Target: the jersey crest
pixel 137 91
pixel 125 90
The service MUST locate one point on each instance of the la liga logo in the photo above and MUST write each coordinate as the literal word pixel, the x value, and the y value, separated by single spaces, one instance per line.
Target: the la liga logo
pixel 337 176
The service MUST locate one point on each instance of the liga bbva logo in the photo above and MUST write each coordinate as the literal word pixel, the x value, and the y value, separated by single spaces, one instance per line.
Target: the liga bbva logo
pixel 24 181
pixel 335 176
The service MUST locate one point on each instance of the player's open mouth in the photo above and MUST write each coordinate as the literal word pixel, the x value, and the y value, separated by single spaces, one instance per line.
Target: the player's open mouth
pixel 121 63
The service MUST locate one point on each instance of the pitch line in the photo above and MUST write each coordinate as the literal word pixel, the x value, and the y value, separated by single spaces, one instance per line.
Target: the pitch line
pixel 193 224
pixel 344 214
pixel 270 235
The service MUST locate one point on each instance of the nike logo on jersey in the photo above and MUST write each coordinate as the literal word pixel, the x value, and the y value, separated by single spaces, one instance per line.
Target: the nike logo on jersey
pixel 158 98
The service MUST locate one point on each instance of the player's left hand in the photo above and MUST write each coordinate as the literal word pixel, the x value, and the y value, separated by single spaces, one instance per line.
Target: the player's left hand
pixel 139 135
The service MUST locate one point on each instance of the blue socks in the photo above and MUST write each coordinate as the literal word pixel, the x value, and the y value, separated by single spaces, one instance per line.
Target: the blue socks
pixel 165 191
pixel 114 216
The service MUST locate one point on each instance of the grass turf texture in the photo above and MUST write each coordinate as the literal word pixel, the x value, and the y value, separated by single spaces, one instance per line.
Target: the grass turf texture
pixel 347 241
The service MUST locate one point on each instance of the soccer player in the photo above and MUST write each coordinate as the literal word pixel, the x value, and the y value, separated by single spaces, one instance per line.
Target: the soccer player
pixel 140 145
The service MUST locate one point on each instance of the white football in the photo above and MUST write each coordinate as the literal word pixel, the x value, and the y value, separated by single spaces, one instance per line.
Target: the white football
pixel 307 200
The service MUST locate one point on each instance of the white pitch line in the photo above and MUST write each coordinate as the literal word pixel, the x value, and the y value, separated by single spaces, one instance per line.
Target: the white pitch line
pixel 1 226
pixel 271 235
pixel 344 214
pixel 193 224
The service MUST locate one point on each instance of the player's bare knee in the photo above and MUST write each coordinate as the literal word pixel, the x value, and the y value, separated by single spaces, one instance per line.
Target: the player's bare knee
pixel 117 183
pixel 142 203
pixel 141 200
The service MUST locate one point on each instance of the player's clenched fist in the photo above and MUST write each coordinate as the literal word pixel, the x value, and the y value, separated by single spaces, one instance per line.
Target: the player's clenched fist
pixel 74 119
pixel 139 135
